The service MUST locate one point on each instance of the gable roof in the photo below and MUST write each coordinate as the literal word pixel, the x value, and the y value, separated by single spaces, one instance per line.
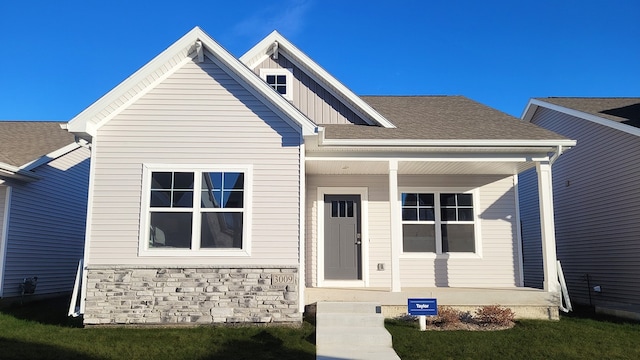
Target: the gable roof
pixel 443 120
pixel 621 113
pixel 25 145
pixel 275 42
pixel 191 46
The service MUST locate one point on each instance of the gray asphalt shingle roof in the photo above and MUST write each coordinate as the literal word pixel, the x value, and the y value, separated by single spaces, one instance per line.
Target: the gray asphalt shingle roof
pixel 24 141
pixel 440 118
pixel 623 110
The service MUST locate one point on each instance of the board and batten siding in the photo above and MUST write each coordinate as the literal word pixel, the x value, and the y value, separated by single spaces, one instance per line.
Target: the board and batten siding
pixel 498 267
pixel 597 207
pixel 46 226
pixel 198 116
pixel 311 98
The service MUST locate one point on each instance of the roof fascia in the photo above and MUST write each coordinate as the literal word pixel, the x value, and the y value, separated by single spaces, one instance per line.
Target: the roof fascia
pixel 16 173
pixel 82 125
pixel 260 51
pixel 322 141
pixel 533 105
pixel 49 157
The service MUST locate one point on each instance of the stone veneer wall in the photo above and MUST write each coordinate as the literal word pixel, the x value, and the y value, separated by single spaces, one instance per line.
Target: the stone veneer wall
pixel 191 295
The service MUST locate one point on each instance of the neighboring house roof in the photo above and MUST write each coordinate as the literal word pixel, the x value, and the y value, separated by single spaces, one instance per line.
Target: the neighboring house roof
pixel 620 113
pixel 441 118
pixel 191 46
pixel 276 43
pixel 623 110
pixel 23 144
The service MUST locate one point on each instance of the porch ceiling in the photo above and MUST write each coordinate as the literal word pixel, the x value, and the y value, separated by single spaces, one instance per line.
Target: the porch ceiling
pixel 378 167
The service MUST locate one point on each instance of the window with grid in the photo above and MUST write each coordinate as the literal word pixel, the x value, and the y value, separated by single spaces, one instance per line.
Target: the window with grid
pixel 434 222
pixel 281 80
pixel 196 210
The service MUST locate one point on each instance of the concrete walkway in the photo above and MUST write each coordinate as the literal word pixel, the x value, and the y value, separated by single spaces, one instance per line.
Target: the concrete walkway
pixel 353 331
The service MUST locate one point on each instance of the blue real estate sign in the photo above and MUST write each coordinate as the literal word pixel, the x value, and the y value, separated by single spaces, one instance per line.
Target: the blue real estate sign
pixel 422 306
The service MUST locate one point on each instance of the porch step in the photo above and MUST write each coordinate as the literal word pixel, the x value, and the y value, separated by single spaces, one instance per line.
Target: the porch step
pixel 351 330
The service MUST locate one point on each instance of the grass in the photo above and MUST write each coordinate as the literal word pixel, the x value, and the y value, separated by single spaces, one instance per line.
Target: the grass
pixel 573 337
pixel 42 331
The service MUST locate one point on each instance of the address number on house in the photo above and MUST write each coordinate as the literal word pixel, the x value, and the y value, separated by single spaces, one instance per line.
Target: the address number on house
pixel 280 279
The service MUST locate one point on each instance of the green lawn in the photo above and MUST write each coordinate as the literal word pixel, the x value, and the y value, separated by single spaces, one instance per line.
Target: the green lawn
pixel 42 331
pixel 573 337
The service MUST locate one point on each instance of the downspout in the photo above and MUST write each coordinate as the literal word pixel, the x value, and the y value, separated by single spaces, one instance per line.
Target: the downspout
pixel 559 151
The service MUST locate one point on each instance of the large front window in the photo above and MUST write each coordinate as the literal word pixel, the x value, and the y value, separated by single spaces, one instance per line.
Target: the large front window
pixel 438 222
pixel 196 210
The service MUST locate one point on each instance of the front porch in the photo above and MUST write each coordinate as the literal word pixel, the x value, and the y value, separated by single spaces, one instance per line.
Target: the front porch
pixel 527 303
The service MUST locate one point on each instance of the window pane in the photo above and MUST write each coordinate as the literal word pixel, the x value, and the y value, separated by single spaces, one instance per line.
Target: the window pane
pixel 183 199
pixel 221 230
pixel 465 214
pixel 334 208
pixel 342 208
pixel 465 199
pixel 425 199
pixel 282 79
pixel 418 238
pixel 427 215
pixel 409 199
pixel 349 208
pixel 169 229
pixel 160 198
pixel 183 180
pixel 233 199
pixel 211 181
pixel 448 214
pixel 458 238
pixel 410 214
pixel 282 89
pixel 161 180
pixel 271 79
pixel 447 199
pixel 233 181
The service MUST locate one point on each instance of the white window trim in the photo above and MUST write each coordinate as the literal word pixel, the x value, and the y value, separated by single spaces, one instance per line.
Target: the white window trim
pixel 439 254
pixel 288 72
pixel 145 211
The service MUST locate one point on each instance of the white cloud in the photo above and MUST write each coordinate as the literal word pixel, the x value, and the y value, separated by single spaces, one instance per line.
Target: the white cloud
pixel 287 17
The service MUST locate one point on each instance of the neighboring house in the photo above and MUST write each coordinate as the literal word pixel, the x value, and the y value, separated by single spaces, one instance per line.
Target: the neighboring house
pixel 597 200
pixel 44 176
pixel 222 189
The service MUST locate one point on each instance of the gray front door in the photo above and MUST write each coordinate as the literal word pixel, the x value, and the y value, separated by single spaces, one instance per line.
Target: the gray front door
pixel 342 243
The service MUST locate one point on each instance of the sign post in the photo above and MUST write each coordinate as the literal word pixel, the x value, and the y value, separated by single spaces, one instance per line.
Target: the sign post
pixel 422 308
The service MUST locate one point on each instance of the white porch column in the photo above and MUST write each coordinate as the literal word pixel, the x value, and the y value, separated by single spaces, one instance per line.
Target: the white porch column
pixel 547 227
pixel 396 230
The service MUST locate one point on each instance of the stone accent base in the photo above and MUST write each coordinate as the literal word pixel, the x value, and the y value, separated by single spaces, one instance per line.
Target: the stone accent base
pixel 193 295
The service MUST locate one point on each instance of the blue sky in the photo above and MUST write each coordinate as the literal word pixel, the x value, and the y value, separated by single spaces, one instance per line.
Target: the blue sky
pixel 57 57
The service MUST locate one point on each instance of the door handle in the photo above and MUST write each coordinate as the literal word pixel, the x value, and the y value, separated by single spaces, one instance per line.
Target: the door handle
pixel 358 240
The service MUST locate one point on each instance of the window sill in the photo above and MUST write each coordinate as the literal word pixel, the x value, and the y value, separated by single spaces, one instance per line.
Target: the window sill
pixel 418 255
pixel 195 253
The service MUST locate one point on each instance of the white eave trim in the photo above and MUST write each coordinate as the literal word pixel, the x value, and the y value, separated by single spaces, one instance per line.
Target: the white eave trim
pixel 12 172
pixel 532 106
pixel 322 141
pixel 49 157
pixel 83 123
pixel 259 52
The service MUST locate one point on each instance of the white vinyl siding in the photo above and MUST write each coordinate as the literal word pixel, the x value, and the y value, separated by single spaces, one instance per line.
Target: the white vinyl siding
pixel 496 265
pixel 46 230
pixel 203 117
pixel 597 204
pixel 311 98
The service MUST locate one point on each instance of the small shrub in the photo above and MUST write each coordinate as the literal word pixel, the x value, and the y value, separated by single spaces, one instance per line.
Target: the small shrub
pixel 446 316
pixel 494 314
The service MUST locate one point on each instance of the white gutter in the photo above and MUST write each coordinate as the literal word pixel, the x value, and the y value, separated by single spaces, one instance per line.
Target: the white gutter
pixel 556 155
pixel 17 173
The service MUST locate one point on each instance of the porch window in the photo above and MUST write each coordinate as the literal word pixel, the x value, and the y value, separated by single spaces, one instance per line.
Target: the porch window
pixel 281 80
pixel 196 210
pixel 438 222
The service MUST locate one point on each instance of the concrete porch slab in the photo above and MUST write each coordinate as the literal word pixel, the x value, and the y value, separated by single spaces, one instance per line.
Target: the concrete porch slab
pixel 527 303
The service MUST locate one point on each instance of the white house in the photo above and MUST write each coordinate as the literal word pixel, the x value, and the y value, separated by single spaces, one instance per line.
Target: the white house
pixel 597 201
pixel 44 176
pixel 226 190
